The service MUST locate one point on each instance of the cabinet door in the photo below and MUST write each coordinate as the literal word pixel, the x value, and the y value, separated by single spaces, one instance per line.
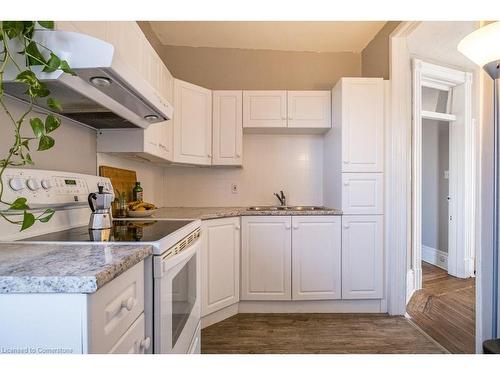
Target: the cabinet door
pixel 129 42
pixel 362 193
pixel 264 109
pixel 266 258
pixel 362 257
pixel 309 109
pixel 362 124
pixel 192 124
pixel 220 264
pixel 316 257
pixel 227 128
pixel 97 29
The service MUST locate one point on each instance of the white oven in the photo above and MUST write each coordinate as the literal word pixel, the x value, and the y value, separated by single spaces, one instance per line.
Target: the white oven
pixel 177 310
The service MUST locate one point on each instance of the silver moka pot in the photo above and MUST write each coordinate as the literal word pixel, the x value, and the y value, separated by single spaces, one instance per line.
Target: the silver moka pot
pixel 100 204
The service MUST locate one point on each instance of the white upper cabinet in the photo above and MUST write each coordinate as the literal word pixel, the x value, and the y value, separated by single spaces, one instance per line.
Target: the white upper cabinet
pixel 192 124
pixel 316 257
pixel 227 128
pixel 264 109
pixel 266 258
pixel 220 264
pixel 362 257
pixel 309 109
pixel 362 123
pixel 362 193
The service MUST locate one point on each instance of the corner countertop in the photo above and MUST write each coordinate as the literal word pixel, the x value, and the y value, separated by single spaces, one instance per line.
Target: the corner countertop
pixel 53 268
pixel 207 213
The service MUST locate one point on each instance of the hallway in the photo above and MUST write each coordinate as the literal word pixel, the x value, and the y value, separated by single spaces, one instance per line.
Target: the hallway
pixel 445 309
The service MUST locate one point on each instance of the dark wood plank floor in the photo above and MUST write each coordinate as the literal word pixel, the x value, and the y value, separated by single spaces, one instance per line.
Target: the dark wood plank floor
pixel 315 333
pixel 446 309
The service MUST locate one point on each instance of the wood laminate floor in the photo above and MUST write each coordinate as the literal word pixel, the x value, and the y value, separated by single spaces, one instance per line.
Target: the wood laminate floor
pixel 446 309
pixel 315 333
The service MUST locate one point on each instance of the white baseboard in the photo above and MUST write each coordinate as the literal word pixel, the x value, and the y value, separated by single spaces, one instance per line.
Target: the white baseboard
pixel 219 316
pixel 436 257
pixel 335 306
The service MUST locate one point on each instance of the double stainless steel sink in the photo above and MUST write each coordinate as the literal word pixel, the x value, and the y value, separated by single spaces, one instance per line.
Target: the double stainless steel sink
pixel 286 208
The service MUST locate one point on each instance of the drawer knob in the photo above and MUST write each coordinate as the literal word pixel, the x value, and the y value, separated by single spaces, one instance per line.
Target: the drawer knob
pixel 237 227
pixel 145 343
pixel 296 226
pixel 128 303
pixel 287 227
pixel 346 226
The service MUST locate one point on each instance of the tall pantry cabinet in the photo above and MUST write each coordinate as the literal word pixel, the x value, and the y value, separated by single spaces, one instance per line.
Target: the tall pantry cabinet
pixel 353 180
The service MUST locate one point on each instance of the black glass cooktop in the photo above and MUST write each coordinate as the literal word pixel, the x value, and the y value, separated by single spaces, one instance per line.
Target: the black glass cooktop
pixel 122 231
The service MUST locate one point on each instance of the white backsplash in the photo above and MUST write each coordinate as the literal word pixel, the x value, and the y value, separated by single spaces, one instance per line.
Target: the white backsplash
pixel 150 176
pixel 293 163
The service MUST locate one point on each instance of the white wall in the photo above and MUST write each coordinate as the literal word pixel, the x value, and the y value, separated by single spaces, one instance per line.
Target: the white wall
pixel 293 163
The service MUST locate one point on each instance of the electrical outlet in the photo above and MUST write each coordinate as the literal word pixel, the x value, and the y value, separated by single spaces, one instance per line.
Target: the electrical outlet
pixel 234 188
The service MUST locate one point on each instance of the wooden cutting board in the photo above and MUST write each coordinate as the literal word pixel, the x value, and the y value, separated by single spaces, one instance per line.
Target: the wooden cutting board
pixel 123 180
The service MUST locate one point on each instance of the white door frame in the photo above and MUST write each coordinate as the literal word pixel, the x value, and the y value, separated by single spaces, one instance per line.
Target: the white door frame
pixel 462 170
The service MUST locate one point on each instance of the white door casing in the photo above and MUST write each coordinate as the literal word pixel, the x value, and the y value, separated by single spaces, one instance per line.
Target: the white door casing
pixel 462 168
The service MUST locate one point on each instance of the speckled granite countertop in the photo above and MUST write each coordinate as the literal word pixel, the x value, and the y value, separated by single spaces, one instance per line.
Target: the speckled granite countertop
pixel 52 268
pixel 207 213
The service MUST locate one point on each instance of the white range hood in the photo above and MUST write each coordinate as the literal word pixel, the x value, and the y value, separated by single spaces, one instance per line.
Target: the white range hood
pixel 104 94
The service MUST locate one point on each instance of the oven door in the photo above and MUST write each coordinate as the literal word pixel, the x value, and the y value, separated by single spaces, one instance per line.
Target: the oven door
pixel 177 301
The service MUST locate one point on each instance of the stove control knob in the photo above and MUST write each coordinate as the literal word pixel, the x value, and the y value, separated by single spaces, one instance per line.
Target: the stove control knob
pixel 16 184
pixel 46 184
pixel 33 184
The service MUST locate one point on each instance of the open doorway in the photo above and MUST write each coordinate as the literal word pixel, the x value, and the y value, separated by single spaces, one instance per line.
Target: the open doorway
pixel 443 301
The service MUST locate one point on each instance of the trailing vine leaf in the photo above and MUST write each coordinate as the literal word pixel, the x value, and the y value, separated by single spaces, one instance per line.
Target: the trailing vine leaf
pixel 28 220
pixel 28 160
pixel 37 126
pixel 34 55
pixel 54 104
pixel 47 24
pixel 13 28
pixel 51 123
pixel 19 204
pixel 46 215
pixel 66 68
pixel 28 77
pixel 53 64
pixel 45 143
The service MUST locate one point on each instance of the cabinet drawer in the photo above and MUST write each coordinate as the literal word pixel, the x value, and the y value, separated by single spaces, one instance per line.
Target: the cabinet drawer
pixel 134 340
pixel 114 308
pixel 362 193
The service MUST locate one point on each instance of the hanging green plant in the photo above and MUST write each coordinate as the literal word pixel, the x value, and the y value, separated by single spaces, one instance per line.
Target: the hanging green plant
pixel 35 54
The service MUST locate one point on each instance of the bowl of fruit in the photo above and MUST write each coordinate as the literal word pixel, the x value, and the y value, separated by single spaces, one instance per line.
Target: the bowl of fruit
pixel 141 209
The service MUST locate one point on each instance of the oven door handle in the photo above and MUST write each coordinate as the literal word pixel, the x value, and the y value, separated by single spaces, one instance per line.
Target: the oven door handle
pixel 170 262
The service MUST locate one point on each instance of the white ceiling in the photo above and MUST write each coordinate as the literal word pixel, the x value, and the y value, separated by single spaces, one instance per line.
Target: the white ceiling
pixel 436 41
pixel 319 36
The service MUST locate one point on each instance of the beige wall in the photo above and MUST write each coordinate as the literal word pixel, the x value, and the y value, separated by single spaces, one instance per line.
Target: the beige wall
pixel 375 56
pixel 232 68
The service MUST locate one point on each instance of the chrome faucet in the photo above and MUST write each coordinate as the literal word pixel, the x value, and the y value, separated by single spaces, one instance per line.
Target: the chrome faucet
pixel 281 197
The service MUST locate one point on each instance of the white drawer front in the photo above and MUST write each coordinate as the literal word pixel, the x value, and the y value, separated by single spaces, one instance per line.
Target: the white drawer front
pixel 362 193
pixel 114 308
pixel 134 340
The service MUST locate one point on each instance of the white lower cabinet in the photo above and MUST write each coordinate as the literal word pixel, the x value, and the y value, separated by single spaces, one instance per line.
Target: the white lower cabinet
pixel 362 257
pixel 111 320
pixel 220 264
pixel 316 257
pixel 266 258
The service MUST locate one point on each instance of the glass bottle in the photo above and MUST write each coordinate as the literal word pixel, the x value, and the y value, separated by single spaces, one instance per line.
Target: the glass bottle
pixel 137 192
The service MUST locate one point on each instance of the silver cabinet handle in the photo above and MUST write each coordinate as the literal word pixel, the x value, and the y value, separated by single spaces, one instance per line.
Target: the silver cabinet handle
pixel 296 226
pixel 128 303
pixel 237 227
pixel 346 226
pixel 287 227
pixel 346 161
